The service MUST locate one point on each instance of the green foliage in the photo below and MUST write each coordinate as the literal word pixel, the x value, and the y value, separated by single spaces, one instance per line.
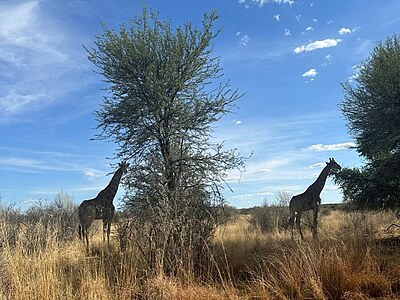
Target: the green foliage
pixel 374 186
pixel 355 185
pixel 372 108
pixel 164 96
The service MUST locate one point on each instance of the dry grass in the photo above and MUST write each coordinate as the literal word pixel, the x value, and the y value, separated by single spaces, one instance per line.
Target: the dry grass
pixel 353 259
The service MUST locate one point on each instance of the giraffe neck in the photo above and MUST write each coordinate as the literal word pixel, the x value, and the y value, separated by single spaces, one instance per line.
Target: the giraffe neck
pixel 109 192
pixel 318 185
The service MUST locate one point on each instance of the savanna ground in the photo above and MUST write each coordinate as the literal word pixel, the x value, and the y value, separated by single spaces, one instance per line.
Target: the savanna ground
pixel 354 258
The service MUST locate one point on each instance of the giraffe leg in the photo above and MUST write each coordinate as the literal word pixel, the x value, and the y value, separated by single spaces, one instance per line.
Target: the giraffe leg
pixel 86 236
pixel 315 222
pixel 80 231
pixel 291 222
pixel 108 232
pixel 82 235
pixel 298 219
pixel 104 230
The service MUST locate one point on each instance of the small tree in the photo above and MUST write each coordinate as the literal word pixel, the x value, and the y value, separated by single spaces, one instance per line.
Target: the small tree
pixel 163 99
pixel 283 198
pixel 372 108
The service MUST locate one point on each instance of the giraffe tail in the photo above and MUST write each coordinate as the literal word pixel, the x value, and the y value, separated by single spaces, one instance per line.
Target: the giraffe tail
pixel 80 231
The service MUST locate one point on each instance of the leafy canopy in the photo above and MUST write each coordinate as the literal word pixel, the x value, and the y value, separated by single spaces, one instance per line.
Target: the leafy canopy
pixel 372 109
pixel 164 96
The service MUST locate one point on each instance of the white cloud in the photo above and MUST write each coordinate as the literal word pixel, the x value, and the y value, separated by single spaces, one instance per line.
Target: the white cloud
pixel 328 61
pixel 35 162
pixel 317 165
pixel 244 41
pixel 290 2
pixel 298 17
pixel 331 147
pixel 270 169
pixel 344 31
pixel 309 28
pixel 287 32
pixel 310 73
pixel 30 165
pixel 13 102
pixel 261 3
pixel 11 30
pixel 30 31
pixel 42 65
pixel 327 43
pixel 18 162
pixel 92 173
pixel 277 17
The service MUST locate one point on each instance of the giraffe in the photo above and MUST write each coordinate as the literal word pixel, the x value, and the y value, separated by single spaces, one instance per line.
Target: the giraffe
pixel 100 207
pixel 310 199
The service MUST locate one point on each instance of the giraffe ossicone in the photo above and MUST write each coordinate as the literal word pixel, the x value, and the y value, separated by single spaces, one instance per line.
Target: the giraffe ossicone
pixel 310 199
pixel 101 207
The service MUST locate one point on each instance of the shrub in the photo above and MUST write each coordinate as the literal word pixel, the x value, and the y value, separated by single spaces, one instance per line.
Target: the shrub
pixel 270 217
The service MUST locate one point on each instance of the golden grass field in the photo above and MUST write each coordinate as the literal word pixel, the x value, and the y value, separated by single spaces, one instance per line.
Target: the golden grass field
pixel 354 258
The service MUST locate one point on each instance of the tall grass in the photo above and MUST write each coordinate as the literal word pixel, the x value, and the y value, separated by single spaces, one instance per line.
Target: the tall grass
pixel 38 261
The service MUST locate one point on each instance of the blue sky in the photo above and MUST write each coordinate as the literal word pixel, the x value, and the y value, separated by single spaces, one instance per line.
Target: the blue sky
pixel 289 57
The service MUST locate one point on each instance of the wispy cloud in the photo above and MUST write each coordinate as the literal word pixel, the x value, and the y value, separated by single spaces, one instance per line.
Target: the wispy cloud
pixel 261 3
pixel 328 61
pixel 38 58
pixel 286 32
pixel 14 102
pixel 277 17
pixel 92 173
pixel 28 152
pixel 44 162
pixel 331 147
pixel 245 40
pixel 28 165
pixel 327 43
pixel 290 2
pixel 317 165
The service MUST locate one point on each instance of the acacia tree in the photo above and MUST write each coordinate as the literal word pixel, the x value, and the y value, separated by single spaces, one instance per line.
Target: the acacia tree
pixel 372 108
pixel 164 96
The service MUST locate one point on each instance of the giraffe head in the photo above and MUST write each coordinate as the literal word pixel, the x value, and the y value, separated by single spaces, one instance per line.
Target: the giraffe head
pixel 333 165
pixel 124 166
